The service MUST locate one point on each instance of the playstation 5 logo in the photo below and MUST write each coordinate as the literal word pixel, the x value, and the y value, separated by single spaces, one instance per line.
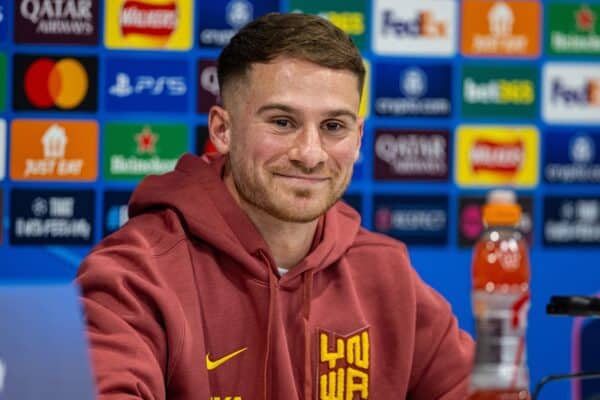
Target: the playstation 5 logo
pixel 146 84
pixel 2 374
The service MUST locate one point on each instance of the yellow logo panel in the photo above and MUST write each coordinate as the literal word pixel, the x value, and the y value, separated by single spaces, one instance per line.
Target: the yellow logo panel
pixel 149 24
pixel 365 98
pixel 497 156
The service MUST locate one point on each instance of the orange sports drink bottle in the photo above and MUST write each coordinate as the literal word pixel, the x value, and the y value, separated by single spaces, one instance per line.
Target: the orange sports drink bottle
pixel 500 298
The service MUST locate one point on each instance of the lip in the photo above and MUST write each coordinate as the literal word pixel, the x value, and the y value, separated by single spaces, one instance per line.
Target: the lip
pixel 303 178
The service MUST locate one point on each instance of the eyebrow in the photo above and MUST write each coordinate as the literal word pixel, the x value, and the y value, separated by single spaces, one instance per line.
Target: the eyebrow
pixel 285 108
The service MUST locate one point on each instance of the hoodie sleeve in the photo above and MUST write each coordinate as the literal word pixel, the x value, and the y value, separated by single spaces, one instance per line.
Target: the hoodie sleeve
pixel 443 354
pixel 128 310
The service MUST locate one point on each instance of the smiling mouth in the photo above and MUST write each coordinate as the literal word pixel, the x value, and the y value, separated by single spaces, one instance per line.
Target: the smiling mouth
pixel 302 178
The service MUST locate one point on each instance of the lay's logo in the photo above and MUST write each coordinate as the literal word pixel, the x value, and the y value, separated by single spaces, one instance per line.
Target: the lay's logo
pixel 502 158
pixel 139 17
pixel 497 155
pixel 55 83
pixel 149 24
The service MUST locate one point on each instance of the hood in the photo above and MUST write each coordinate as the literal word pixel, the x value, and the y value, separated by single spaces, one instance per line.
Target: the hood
pixel 196 192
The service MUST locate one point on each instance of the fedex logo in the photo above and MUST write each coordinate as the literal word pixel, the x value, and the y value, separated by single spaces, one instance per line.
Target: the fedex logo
pixel 423 24
pixel 415 27
pixel 571 93
pixel 588 93
pixel 147 85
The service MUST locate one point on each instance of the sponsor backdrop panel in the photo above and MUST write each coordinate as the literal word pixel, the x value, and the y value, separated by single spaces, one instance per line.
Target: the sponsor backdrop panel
pixel 3 20
pixel 54 150
pixel 147 24
pixel 56 22
pixel 3 83
pixel 461 97
pixel 3 152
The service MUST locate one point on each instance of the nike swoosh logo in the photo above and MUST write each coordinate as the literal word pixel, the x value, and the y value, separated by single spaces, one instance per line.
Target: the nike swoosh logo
pixel 210 365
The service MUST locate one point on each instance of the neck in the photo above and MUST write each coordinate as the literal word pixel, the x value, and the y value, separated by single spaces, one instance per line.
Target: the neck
pixel 289 242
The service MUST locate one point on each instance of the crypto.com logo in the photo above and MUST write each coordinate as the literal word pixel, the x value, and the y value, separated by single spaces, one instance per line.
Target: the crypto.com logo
pixel 63 83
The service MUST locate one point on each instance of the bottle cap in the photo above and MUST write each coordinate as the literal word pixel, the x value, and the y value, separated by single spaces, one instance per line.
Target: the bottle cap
pixel 501 208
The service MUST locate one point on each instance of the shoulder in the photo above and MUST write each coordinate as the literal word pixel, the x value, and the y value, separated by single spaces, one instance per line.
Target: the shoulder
pixel 154 232
pixel 386 261
pixel 376 246
pixel 140 247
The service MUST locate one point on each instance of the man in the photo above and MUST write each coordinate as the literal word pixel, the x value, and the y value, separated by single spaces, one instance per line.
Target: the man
pixel 241 277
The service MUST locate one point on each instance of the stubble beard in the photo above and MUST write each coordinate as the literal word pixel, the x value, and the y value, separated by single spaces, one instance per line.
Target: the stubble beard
pixel 271 199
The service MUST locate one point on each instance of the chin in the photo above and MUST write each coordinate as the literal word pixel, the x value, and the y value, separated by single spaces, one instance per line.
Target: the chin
pixel 301 211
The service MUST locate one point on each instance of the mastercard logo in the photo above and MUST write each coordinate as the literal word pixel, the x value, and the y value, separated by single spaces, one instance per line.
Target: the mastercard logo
pixel 56 83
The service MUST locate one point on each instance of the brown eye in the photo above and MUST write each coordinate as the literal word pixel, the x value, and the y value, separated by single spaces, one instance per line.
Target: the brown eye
pixel 282 123
pixel 333 126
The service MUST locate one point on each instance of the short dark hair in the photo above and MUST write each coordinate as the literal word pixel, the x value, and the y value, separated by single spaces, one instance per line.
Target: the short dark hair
pixel 295 35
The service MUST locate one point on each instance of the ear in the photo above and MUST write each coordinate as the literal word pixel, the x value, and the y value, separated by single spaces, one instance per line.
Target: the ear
pixel 361 127
pixel 219 129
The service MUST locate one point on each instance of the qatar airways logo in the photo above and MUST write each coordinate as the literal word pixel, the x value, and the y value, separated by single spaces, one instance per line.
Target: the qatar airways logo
pixel 497 157
pixel 411 155
pixel 145 18
pixel 56 21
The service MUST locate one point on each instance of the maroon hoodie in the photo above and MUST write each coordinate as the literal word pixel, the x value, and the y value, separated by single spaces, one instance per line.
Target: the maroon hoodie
pixel 185 303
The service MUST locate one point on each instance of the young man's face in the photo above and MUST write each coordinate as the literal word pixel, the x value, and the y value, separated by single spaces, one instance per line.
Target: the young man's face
pixel 294 137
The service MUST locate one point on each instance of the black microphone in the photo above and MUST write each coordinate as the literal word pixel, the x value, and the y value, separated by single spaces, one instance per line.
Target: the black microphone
pixel 574 306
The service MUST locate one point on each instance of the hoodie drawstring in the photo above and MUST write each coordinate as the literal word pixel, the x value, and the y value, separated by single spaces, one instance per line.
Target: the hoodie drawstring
pixel 271 310
pixel 306 305
pixel 308 379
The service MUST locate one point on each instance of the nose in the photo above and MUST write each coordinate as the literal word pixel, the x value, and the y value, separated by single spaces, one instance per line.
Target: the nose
pixel 308 149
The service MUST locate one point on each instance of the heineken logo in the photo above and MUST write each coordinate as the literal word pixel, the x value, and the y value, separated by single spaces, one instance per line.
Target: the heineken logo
pixel 146 140
pixel 573 29
pixel 133 151
pixel 585 18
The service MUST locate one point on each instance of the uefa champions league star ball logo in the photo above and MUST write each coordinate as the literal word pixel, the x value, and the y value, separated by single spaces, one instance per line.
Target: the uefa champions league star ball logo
pixel 581 149
pixel 413 83
pixel 239 13
pixel 39 207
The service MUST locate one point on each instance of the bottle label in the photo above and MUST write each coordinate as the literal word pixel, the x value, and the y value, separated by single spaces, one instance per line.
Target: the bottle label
pixel 501 356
